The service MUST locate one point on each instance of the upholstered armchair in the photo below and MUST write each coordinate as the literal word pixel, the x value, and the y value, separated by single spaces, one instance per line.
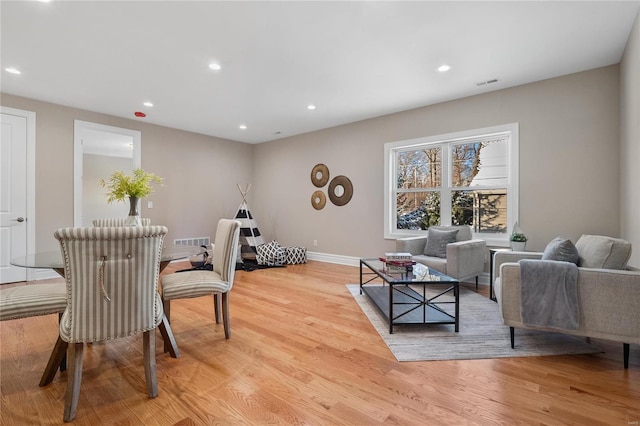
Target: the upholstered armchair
pixel 448 249
pixel 111 277
pixel 607 291
pixel 218 282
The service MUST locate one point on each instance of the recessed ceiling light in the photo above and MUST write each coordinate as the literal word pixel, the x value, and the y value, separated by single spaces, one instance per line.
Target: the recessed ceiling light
pixel 148 104
pixel 242 127
pixel 311 107
pixel 13 70
pixel 214 66
pixel 444 68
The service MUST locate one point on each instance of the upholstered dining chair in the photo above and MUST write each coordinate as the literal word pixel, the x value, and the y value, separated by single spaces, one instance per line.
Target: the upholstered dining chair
pixel 111 276
pixel 217 282
pixel 118 221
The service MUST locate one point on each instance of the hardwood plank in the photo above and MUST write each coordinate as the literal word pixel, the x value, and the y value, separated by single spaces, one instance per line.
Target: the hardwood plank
pixel 302 352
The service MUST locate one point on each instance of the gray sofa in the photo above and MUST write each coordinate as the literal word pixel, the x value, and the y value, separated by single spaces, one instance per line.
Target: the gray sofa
pixel 608 300
pixel 465 258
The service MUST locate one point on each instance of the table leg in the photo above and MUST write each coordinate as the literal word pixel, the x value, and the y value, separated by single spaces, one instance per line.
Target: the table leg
pixel 390 309
pixel 456 292
pixel 57 357
pixel 167 336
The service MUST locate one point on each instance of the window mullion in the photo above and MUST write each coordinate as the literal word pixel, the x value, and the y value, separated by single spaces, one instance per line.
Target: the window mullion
pixel 445 190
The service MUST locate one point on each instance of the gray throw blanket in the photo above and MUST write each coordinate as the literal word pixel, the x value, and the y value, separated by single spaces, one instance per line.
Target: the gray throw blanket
pixel 549 293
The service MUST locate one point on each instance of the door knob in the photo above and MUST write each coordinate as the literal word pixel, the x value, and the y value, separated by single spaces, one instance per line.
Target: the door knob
pixel 20 219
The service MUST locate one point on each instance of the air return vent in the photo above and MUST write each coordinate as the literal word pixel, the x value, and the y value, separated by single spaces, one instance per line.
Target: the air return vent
pixel 482 83
pixel 198 241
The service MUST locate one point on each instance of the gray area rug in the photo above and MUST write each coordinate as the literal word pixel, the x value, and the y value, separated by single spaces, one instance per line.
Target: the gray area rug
pixel 482 334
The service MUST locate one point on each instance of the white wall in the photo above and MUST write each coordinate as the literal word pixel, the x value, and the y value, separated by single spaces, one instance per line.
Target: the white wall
pixel 630 143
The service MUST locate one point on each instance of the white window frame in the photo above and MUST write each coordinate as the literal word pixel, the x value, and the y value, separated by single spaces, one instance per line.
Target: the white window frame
pixel 391 148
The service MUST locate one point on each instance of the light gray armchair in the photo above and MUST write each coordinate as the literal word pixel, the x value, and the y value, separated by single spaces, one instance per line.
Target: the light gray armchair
pixel 461 259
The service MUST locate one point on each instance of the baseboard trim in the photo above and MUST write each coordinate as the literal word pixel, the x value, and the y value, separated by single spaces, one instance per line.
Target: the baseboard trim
pixel 333 258
pixel 45 274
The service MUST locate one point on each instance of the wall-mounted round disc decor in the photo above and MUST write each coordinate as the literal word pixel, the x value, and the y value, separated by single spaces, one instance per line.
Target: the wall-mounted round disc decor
pixel 318 200
pixel 340 190
pixel 320 175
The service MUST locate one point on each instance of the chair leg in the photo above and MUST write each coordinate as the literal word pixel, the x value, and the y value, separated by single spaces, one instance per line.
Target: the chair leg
pixel 74 378
pixel 216 307
pixel 512 333
pixel 63 363
pixel 149 353
pixel 625 350
pixel 225 315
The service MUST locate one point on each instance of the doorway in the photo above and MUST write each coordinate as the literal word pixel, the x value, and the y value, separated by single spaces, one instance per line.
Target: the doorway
pixel 100 150
pixel 17 191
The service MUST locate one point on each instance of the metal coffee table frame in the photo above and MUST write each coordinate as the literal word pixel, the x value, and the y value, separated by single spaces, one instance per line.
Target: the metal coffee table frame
pixel 402 304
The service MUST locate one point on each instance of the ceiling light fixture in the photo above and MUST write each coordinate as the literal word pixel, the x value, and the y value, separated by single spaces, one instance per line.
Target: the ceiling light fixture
pixel 444 68
pixel 242 127
pixel 214 66
pixel 13 71
pixel 148 104
pixel 311 107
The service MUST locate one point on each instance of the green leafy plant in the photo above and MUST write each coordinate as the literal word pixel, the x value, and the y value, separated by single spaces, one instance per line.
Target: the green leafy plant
pixel 120 185
pixel 518 237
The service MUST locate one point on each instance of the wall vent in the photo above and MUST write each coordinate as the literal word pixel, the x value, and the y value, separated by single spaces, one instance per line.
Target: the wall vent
pixel 482 83
pixel 197 241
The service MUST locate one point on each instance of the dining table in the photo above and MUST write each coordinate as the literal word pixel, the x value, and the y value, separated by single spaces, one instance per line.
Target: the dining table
pixel 53 260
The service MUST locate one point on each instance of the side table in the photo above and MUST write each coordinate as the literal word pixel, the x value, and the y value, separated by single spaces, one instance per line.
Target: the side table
pixel 492 252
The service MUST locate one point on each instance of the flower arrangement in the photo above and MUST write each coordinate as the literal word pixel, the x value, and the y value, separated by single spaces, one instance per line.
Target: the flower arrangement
pixel 518 237
pixel 120 185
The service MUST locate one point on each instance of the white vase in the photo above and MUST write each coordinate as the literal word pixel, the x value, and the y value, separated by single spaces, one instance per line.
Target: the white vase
pixel 134 217
pixel 518 245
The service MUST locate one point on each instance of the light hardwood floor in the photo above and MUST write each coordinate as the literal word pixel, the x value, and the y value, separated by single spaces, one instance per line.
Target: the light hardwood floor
pixel 302 352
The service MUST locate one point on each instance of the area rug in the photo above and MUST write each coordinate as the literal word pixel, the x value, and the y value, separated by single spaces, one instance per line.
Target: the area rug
pixel 481 334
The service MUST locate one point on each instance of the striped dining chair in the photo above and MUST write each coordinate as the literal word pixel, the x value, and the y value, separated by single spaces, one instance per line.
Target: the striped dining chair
pixel 118 221
pixel 217 282
pixel 111 276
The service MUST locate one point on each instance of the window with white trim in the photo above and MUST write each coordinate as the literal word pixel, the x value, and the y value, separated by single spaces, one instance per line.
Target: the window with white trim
pixel 464 178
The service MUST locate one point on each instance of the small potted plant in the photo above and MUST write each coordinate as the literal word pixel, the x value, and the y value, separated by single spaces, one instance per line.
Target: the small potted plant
pixel 121 186
pixel 518 241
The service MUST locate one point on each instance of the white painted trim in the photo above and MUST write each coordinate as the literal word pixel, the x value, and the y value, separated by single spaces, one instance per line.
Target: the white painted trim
pixel 44 274
pixel 513 185
pixel 333 258
pixel 31 177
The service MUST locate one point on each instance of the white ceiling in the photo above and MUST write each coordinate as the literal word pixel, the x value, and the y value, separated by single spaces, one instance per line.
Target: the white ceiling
pixel 354 60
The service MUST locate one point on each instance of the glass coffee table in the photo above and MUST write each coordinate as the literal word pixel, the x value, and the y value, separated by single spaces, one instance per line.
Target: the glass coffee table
pixel 402 297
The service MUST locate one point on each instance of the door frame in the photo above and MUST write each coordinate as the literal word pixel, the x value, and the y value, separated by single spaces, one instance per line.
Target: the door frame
pixel 31 178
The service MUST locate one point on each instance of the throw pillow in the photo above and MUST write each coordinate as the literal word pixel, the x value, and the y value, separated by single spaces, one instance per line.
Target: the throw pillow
pixel 597 251
pixel 561 249
pixel 437 241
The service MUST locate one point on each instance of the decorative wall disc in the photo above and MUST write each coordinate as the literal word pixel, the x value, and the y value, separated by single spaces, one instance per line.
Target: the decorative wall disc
pixel 340 190
pixel 318 200
pixel 320 175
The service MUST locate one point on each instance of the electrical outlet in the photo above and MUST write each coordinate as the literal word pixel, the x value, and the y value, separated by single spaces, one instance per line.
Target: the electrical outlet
pixel 149 204
pixel 315 243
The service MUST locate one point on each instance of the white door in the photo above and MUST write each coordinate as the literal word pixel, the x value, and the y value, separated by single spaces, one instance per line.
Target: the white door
pixel 13 196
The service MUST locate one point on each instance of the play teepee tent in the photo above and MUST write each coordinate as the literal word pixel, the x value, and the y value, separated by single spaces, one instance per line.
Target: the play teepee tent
pixel 250 237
